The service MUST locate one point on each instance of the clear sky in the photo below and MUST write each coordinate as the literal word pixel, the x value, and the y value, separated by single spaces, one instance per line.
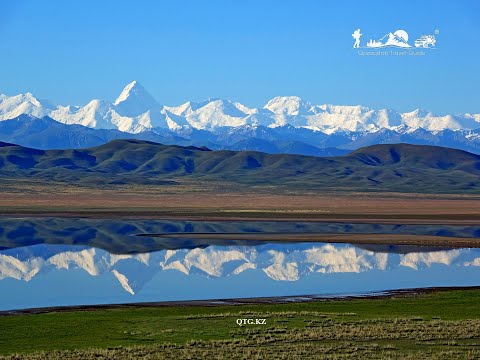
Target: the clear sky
pixel 247 50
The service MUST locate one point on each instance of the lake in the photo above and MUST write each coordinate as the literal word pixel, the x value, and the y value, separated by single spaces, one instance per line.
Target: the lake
pixel 61 261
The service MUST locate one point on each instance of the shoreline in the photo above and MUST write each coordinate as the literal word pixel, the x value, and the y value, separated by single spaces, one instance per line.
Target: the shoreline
pixel 447 219
pixel 342 238
pixel 387 294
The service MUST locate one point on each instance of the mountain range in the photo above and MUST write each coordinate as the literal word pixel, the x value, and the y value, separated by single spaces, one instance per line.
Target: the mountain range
pixel 397 167
pixel 285 124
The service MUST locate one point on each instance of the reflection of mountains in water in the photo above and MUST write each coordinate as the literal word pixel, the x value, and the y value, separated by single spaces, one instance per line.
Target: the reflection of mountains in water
pixel 280 262
pixel 116 236
pixel 106 247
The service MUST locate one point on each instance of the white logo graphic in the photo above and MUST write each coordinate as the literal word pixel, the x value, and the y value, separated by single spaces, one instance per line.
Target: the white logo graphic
pixel 426 41
pixel 397 39
pixel 395 44
pixel 357 35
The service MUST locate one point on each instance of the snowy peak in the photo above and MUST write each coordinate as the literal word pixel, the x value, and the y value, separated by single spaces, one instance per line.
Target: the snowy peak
pixel 134 100
pixel 189 107
pixel 132 90
pixel 288 105
pixel 417 113
pixel 127 92
pixel 211 114
pixel 13 106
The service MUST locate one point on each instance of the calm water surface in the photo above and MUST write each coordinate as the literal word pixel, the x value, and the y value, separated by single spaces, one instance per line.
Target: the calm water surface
pixel 47 262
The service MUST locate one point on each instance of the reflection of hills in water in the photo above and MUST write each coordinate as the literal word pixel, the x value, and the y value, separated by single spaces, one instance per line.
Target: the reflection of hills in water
pixel 31 247
pixel 116 236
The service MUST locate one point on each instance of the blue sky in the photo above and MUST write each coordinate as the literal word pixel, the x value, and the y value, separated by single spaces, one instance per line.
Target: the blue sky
pixel 247 51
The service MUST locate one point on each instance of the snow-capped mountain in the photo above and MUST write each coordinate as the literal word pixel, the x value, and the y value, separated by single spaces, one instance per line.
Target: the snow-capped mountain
pixel 136 111
pixel 13 106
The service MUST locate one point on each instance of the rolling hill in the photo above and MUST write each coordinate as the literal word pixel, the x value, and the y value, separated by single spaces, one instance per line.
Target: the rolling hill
pixel 393 167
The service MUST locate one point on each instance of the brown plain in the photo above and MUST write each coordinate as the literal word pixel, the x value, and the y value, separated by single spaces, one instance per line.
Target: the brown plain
pixel 243 203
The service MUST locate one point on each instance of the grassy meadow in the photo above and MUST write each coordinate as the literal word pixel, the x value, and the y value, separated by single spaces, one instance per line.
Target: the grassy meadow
pixel 444 324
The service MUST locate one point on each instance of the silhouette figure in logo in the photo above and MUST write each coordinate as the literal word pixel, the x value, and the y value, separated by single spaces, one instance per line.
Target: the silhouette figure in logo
pixel 357 35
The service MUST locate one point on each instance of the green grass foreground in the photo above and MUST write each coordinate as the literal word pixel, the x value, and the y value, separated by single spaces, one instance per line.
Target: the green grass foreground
pixel 438 325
